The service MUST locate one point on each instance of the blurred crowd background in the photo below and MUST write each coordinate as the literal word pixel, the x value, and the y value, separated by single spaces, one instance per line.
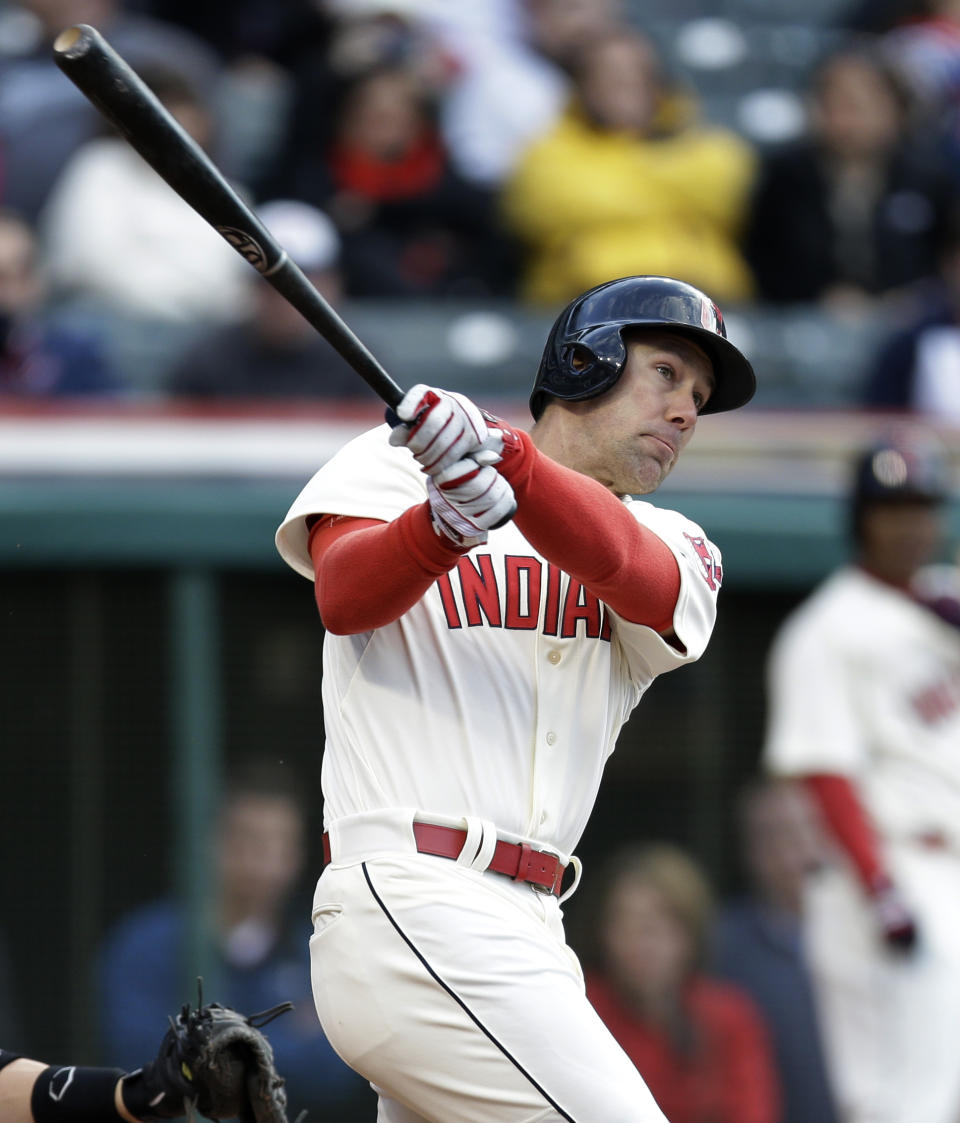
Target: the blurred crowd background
pixel 479 165
pixel 449 175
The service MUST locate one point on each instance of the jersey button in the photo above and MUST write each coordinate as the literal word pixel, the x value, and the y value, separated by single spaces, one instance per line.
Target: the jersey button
pixel 543 817
pixel 554 657
pixel 551 738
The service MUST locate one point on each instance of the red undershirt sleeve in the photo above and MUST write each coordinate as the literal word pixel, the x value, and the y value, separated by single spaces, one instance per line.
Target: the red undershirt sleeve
pixel 368 573
pixel 849 824
pixel 583 528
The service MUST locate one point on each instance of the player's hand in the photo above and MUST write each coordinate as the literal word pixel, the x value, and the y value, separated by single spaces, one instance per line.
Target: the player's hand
pixel 467 500
pixel 158 1089
pixel 895 919
pixel 441 428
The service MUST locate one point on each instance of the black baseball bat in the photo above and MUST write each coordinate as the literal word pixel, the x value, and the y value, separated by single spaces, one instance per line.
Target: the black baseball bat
pixel 122 96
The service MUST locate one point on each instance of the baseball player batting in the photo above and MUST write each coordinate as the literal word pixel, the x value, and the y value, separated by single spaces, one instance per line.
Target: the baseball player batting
pixel 865 707
pixel 474 683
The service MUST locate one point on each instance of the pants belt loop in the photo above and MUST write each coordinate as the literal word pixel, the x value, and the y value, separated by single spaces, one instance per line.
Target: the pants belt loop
pixel 472 842
pixel 577 871
pixel 483 834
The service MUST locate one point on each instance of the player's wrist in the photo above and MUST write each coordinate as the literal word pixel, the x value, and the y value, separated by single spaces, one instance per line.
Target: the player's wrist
pixel 517 458
pixel 76 1094
pixel 462 541
pixel 468 500
pixel 435 552
pixel 503 439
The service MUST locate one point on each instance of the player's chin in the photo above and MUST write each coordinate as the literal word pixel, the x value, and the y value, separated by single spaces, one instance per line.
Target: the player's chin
pixel 646 476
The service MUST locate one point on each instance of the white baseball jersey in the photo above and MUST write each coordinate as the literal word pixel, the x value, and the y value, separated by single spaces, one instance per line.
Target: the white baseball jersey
pixel 866 682
pixel 501 693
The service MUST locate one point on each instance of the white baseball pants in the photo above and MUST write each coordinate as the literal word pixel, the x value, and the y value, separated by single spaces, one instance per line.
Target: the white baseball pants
pixel 454 993
pixel 890 1022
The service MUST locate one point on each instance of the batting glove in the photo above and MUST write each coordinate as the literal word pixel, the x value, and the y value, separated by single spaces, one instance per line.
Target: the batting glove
pixel 441 428
pixel 897 925
pixel 469 499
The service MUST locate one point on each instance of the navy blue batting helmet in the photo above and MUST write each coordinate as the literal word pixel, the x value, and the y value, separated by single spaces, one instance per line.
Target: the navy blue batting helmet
pixel 592 327
pixel 899 468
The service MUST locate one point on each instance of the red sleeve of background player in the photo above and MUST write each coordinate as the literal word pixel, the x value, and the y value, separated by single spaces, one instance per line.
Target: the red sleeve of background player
pixel 368 573
pixel 849 824
pixel 583 528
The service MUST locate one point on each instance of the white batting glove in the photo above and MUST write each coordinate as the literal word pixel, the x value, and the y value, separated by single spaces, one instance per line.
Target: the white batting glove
pixel 441 428
pixel 467 500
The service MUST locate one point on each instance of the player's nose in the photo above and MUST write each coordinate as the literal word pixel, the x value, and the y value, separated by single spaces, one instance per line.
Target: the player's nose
pixel 681 408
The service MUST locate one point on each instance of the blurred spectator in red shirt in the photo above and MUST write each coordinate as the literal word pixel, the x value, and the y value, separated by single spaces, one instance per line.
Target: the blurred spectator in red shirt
pixel 358 38
pixel 700 1044
pixel 410 225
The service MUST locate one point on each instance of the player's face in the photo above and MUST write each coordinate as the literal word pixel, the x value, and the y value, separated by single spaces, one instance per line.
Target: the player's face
pixel 898 538
pixel 647 948
pixel 260 853
pixel 784 843
pixel 630 437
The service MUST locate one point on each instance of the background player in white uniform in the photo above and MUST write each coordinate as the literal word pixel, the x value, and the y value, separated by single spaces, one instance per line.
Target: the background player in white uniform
pixel 865 705
pixel 475 680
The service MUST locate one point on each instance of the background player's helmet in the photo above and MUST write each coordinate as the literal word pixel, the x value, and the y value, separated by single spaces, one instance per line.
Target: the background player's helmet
pixel 908 467
pixel 592 327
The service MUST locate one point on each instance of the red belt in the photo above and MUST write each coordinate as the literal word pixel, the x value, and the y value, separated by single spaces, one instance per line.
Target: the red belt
pixel 517 860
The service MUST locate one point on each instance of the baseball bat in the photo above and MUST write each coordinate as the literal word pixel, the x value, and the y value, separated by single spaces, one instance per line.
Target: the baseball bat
pixel 122 96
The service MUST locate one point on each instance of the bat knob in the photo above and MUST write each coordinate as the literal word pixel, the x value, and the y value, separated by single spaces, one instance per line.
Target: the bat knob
pixel 506 518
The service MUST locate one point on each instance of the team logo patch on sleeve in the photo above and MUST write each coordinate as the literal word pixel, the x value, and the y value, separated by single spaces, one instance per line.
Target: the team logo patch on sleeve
pixel 712 569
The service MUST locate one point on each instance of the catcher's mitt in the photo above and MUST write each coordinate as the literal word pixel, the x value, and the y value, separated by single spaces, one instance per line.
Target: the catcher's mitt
pixel 213 1061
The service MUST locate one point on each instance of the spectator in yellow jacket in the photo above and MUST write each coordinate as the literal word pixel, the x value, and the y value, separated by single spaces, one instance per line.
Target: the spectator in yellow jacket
pixel 627 183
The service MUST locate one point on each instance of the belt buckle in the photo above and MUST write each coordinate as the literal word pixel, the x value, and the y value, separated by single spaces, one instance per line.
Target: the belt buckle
pixel 526 860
